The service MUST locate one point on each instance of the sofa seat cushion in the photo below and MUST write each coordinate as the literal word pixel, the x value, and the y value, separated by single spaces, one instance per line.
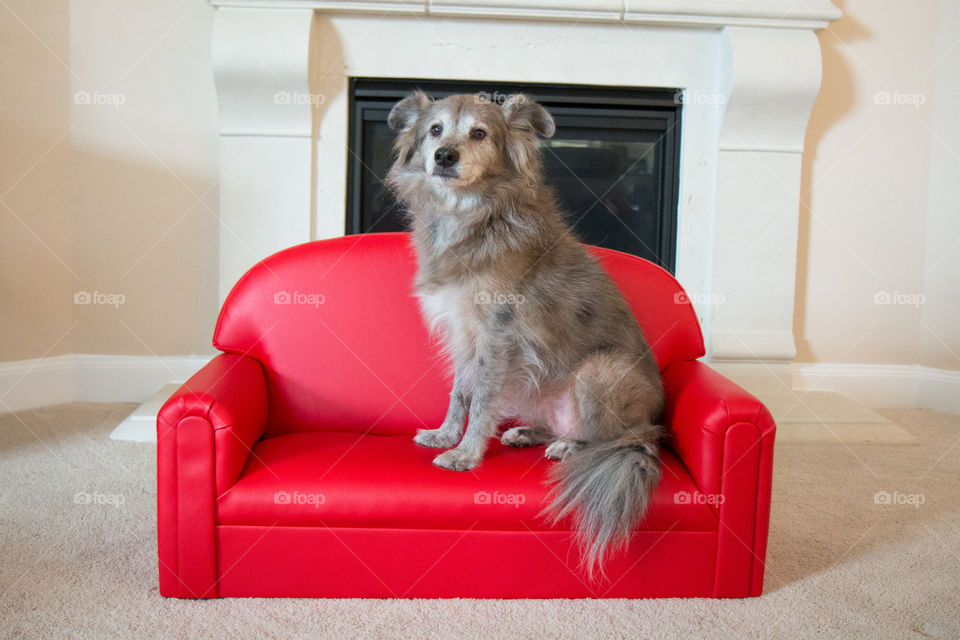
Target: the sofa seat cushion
pixel 345 479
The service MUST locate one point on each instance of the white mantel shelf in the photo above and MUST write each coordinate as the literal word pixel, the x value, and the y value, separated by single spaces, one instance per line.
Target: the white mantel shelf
pixel 791 14
pixel 749 71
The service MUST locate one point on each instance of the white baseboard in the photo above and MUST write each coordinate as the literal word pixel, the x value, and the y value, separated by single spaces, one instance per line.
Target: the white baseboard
pixel 884 385
pixel 751 346
pixel 940 390
pixel 33 383
pixel 25 384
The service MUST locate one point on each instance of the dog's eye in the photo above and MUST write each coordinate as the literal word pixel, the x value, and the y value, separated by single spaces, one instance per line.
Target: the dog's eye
pixel 478 134
pixel 436 130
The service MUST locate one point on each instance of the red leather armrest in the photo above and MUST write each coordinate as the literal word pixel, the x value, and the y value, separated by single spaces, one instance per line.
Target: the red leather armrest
pixel 701 407
pixel 230 393
pixel 204 435
pixel 725 437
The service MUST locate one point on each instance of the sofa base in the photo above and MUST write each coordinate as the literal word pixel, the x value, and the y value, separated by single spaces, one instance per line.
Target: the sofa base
pixel 402 563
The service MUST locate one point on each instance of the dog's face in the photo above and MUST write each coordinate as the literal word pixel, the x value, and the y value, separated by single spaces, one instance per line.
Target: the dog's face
pixel 460 143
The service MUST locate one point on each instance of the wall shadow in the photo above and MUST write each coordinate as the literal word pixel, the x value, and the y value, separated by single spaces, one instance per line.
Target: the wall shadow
pixel 836 98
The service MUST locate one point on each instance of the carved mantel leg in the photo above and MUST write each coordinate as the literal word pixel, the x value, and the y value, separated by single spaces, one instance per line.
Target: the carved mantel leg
pixel 261 66
pixel 773 77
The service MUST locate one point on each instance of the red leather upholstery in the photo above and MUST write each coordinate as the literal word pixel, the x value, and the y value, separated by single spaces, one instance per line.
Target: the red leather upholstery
pixel 204 434
pixel 342 479
pixel 659 303
pixel 285 467
pixel 336 562
pixel 230 395
pixel 725 437
pixel 325 351
pixel 698 429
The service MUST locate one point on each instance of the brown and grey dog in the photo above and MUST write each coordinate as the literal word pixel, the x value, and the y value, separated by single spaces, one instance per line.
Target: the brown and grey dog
pixel 535 328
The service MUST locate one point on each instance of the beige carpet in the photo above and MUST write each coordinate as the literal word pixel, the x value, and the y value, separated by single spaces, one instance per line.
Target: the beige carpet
pixel 78 560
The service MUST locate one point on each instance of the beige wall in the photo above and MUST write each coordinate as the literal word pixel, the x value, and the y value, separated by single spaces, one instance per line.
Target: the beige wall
pixel 122 200
pixel 125 204
pixel 867 226
pixel 36 283
pixel 145 164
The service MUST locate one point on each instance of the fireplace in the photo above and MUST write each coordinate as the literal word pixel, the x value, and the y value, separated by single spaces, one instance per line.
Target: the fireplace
pixel 748 72
pixel 613 162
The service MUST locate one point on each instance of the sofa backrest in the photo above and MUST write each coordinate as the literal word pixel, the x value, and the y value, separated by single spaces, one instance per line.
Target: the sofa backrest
pixel 343 345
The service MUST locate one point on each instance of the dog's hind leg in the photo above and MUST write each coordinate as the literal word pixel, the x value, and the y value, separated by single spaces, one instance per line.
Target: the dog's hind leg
pixel 608 481
pixel 560 449
pixel 613 393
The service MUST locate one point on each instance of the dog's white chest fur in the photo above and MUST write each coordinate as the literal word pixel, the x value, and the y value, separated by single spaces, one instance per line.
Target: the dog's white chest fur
pixel 451 312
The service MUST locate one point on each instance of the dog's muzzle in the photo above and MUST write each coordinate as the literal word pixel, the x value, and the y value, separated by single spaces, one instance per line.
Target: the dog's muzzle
pixel 446 159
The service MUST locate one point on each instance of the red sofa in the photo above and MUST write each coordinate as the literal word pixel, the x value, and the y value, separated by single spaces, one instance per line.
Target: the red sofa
pixel 286 466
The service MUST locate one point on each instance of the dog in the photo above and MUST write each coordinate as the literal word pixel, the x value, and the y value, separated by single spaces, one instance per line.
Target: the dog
pixel 535 329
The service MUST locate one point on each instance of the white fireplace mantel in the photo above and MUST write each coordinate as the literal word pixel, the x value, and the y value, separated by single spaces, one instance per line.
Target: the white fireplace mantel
pixel 795 14
pixel 750 71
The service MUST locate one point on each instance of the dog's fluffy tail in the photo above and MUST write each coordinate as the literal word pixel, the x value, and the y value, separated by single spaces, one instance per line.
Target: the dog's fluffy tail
pixel 606 486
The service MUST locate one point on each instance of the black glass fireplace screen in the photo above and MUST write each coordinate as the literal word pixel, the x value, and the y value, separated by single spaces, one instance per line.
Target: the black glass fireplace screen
pixel 613 162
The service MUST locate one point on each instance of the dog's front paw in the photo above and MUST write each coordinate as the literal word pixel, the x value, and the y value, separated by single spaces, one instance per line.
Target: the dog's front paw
pixel 456 460
pixel 437 438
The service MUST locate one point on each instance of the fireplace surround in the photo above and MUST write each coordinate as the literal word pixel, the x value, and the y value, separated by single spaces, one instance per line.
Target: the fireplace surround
pixel 612 161
pixel 749 72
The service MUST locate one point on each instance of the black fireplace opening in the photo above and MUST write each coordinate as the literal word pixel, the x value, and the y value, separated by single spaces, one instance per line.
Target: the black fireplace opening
pixel 613 162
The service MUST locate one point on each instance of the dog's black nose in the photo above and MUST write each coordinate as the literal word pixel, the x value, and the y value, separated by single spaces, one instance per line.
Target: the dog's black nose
pixel 446 156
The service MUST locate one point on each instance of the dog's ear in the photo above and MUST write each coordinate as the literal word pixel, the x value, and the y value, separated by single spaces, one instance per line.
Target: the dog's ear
pixel 522 112
pixel 405 113
pixel 525 121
